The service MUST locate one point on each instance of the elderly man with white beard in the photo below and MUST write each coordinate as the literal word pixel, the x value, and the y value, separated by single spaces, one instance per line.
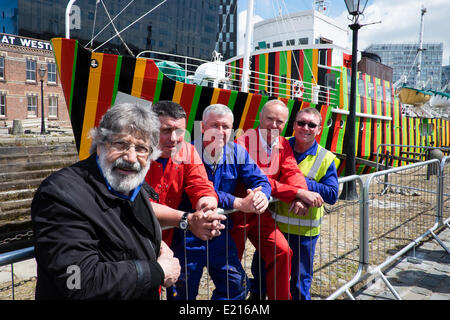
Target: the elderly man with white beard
pixel 97 236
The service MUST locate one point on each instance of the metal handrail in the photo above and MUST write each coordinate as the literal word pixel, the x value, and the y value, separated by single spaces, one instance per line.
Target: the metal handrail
pixel 16 256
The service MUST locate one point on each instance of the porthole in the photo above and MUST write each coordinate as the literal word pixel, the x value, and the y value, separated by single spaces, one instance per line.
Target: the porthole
pixel 329 122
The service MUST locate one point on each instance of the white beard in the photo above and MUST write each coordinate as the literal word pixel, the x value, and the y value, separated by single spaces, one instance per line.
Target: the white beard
pixel 122 183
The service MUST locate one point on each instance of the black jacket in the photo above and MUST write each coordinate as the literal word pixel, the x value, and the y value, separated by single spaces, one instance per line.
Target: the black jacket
pixel 79 225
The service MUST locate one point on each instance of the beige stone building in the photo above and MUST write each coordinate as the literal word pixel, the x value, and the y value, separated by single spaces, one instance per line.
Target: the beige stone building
pixel 20 85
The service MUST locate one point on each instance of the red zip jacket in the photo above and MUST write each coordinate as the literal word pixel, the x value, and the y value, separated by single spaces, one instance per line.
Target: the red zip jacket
pixel 281 167
pixel 184 172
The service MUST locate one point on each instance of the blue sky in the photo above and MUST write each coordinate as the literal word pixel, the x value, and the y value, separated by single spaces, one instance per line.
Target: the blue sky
pixel 265 8
pixel 400 19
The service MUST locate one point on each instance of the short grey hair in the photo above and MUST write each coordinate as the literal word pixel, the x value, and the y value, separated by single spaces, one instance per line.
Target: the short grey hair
pixel 268 104
pixel 312 111
pixel 128 118
pixel 219 109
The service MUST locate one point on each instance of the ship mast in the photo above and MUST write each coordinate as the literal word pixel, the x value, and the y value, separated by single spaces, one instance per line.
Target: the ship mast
pixel 247 47
pixel 320 6
pixel 419 54
pixel 68 10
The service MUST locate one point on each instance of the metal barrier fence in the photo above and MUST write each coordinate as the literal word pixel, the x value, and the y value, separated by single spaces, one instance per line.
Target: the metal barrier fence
pixel 10 258
pixel 397 155
pixel 402 209
pixel 395 211
pixel 444 202
pixel 338 258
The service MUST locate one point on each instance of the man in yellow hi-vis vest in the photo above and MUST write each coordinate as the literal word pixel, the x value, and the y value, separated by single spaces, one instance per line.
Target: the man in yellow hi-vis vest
pixel 302 229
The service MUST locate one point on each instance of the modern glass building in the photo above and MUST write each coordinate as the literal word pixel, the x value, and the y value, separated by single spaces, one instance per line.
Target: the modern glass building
pixel 402 59
pixel 227 29
pixel 445 80
pixel 184 27
pixel 8 16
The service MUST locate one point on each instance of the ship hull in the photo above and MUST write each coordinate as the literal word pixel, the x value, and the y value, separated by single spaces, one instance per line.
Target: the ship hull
pixel 91 82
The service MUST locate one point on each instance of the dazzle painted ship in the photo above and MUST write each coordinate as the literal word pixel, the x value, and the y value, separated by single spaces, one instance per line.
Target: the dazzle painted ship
pixel 302 76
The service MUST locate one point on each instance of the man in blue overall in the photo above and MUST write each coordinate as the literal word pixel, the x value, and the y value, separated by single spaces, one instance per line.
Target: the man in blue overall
pixel 226 163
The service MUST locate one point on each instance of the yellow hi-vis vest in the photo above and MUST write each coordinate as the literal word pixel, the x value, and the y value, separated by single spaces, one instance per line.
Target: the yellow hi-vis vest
pixel 313 167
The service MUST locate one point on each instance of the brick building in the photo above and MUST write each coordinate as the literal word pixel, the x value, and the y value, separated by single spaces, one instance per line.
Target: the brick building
pixel 20 84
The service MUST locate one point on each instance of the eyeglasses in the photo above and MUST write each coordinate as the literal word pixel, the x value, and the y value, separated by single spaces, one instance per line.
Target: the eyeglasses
pixel 123 146
pixel 311 125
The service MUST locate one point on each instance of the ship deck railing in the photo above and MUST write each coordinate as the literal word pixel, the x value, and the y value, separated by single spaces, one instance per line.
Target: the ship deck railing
pixel 359 238
pixel 259 82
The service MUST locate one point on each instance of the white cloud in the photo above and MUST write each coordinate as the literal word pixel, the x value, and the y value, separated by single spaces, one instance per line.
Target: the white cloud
pixel 401 23
pixel 242 23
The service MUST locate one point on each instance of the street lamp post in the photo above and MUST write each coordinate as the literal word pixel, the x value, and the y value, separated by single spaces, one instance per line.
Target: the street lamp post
pixel 42 71
pixel 355 8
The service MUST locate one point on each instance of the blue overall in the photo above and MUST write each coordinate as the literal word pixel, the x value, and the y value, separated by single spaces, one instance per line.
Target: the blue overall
pixel 219 255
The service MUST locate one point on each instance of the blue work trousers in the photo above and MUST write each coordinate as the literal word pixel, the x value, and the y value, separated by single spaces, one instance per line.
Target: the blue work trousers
pixel 303 248
pixel 224 267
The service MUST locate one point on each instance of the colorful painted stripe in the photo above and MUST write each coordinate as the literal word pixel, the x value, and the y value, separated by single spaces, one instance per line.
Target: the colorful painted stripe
pixel 91 81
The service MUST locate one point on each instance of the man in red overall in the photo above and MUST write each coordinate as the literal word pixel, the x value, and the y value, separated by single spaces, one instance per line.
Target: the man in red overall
pixel 179 167
pixel 275 157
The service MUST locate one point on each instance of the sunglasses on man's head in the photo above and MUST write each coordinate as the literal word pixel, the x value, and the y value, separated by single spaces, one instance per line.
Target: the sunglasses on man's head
pixel 311 125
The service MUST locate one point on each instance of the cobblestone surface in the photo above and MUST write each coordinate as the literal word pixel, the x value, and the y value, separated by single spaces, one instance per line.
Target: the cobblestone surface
pixel 422 274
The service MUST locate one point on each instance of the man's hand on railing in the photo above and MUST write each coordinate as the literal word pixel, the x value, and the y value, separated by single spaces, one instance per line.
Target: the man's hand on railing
pixel 206 224
pixel 255 201
pixel 299 208
pixel 208 203
pixel 310 198
pixel 260 201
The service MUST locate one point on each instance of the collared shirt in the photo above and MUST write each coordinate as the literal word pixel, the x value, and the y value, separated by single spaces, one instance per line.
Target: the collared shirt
pixel 328 186
pixel 213 161
pixel 132 195
pixel 264 143
pixel 281 168
pixel 163 162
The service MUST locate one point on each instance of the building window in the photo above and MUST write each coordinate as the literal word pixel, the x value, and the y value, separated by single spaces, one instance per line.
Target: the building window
pixel 323 57
pixel 2 68
pixel 303 41
pixel 379 92
pixel 426 129
pixel 361 88
pixel 32 106
pixel 31 70
pixel 290 42
pixel 2 105
pixel 53 107
pixel 278 44
pixel 371 92
pixel 388 95
pixel 51 72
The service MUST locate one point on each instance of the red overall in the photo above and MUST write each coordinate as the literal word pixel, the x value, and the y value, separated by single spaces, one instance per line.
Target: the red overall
pixel 285 179
pixel 184 172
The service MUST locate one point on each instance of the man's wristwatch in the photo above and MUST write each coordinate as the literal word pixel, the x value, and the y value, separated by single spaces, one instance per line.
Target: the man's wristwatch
pixel 184 223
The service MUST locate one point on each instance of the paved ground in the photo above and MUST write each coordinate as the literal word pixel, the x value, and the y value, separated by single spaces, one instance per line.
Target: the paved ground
pixel 429 279
pixel 22 270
